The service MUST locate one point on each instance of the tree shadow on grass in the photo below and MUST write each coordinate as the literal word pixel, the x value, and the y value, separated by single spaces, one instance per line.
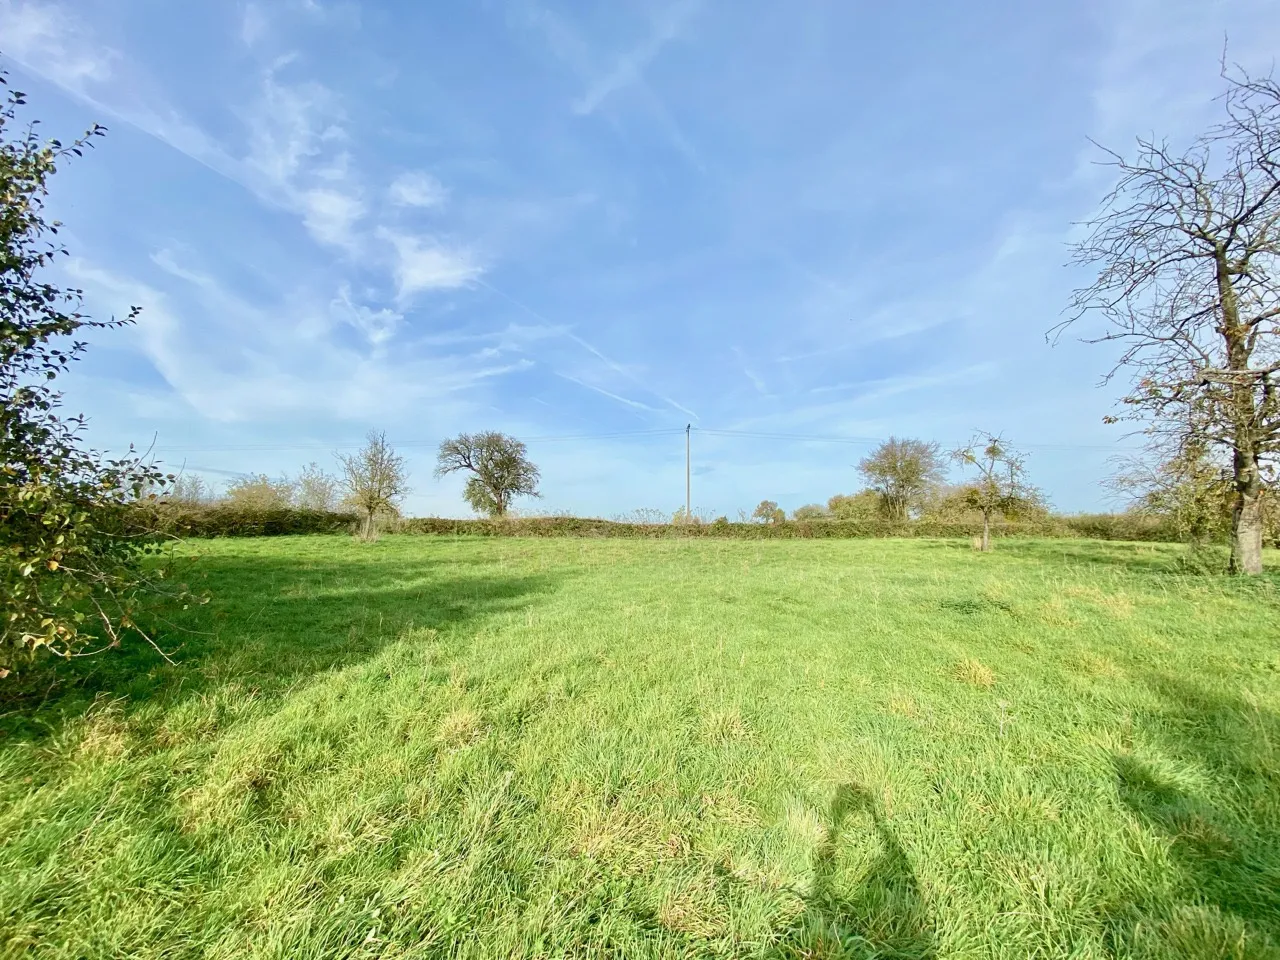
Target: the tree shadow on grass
pixel 1206 779
pixel 884 915
pixel 270 622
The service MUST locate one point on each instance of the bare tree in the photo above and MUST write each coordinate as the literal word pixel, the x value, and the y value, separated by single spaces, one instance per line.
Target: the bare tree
pixel 902 472
pixel 500 470
pixel 1186 249
pixel 189 489
pixel 375 481
pixel 316 490
pixel 1001 486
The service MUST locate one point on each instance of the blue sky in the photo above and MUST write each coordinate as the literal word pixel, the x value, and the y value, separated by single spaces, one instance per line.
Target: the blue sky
pixel 590 224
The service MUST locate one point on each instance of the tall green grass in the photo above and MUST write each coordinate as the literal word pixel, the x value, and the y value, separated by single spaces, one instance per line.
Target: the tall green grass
pixel 429 747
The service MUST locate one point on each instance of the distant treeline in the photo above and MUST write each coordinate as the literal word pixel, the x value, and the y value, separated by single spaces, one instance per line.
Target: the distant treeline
pixel 230 520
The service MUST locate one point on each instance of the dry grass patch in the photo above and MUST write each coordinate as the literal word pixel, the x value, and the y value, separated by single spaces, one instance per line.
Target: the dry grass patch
pixel 974 672
pixel 460 727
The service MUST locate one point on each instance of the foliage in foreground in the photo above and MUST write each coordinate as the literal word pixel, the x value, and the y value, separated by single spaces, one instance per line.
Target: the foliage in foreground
pixel 71 546
pixel 427 748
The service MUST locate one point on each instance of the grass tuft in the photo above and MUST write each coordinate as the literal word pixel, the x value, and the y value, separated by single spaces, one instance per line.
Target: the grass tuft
pixel 974 672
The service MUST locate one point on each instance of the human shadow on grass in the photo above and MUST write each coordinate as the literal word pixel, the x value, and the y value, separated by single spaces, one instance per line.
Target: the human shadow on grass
pixel 882 915
pixel 1223 834
pixel 269 624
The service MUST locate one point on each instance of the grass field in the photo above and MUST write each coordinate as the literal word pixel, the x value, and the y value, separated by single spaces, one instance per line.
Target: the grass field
pixel 552 748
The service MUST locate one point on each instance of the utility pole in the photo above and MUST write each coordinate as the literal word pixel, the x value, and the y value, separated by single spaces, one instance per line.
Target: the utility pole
pixel 688 516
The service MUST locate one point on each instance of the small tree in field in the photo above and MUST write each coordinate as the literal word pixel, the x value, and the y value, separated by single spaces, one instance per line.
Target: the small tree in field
pixel 1001 485
pixel 902 472
pixel 375 482
pixel 499 466
pixel 72 536
pixel 768 511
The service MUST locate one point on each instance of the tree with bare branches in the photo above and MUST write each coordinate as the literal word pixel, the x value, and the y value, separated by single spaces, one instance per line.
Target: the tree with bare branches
pixel 499 466
pixel 1001 485
pixel 316 490
pixel 1187 247
pixel 375 481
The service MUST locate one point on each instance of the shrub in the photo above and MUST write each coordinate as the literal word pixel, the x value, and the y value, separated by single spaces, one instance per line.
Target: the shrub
pixel 810 511
pixel 231 520
pixel 1121 526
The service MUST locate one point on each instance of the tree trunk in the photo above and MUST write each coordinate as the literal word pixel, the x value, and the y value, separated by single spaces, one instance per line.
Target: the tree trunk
pixel 986 531
pixel 1246 512
pixel 1246 516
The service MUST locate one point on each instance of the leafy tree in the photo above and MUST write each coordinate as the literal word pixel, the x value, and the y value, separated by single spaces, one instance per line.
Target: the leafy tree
pixel 902 472
pixel 768 511
pixel 257 491
pixel 375 482
pixel 810 511
pixel 1001 487
pixel 499 466
pixel 863 505
pixel 72 544
pixel 316 490
pixel 1187 249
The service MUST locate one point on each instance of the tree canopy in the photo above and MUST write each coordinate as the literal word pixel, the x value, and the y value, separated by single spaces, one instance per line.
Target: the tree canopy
pixel 500 470
pixel 902 471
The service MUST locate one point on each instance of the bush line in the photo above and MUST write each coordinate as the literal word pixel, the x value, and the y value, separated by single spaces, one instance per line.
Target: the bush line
pixel 226 521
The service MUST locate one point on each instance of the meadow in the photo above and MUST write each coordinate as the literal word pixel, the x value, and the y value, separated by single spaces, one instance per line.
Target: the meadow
pixel 453 747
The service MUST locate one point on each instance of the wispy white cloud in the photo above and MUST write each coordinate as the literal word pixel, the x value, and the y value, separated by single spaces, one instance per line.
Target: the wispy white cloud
pixel 426 263
pixel 377 325
pixel 417 189
pixel 604 80
pixel 331 215
pixel 629 68
pixel 296 154
pixel 45 37
pixel 231 360
pixel 253 24
pixel 625 401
